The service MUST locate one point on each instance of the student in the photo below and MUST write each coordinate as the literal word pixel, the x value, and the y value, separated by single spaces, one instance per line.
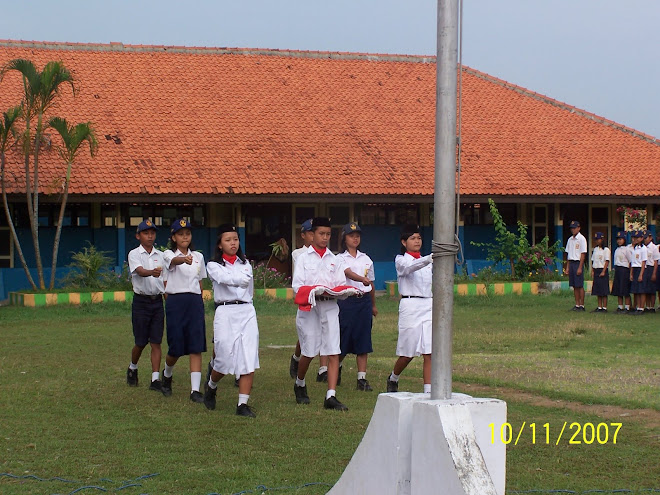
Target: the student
pixel 235 330
pixel 621 283
pixel 576 252
pixel 146 264
pixel 356 312
pixel 600 262
pixel 184 307
pixel 650 272
pixel 318 329
pixel 322 376
pixel 637 267
pixel 415 308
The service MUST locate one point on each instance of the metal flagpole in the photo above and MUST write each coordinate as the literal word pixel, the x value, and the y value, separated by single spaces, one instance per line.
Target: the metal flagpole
pixel 444 213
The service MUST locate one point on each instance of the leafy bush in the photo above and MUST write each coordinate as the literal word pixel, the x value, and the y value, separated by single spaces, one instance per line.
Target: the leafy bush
pixel 271 278
pixel 92 270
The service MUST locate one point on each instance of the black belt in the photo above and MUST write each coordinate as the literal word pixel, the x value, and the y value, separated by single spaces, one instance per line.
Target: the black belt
pixel 146 296
pixel 225 303
pixel 416 297
pixel 324 298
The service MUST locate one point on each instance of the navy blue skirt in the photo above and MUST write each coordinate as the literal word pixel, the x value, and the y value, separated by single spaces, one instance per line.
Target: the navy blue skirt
pixel 635 286
pixel 648 287
pixel 621 282
pixel 186 327
pixel 600 285
pixel 355 320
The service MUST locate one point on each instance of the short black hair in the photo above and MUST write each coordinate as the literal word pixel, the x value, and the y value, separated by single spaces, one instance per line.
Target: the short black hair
pixel 320 222
pixel 408 231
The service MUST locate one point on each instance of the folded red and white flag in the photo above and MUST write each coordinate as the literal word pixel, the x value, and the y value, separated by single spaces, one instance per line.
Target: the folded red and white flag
pixel 307 294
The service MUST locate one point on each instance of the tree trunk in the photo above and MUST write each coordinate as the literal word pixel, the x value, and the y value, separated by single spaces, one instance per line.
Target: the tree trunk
pixel 35 197
pixel 513 268
pixel 58 232
pixel 10 222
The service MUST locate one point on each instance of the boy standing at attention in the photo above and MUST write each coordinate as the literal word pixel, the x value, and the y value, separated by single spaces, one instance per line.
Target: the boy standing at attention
pixel 318 329
pixel 146 265
pixel 576 253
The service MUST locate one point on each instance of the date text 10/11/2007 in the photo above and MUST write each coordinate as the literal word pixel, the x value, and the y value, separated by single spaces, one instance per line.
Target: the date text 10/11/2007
pixel 577 434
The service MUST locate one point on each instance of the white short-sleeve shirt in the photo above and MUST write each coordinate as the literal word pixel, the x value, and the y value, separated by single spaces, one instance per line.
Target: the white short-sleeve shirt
pixel 599 256
pixel 414 275
pixel 575 246
pixel 311 269
pixel 638 255
pixel 622 256
pixel 652 254
pixel 360 265
pixel 231 282
pixel 184 277
pixel 147 286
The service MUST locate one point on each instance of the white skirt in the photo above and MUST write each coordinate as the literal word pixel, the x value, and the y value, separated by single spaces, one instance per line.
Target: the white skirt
pixel 414 327
pixel 235 339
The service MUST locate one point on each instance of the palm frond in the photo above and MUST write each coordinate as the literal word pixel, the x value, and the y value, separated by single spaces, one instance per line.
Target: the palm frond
pixel 7 128
pixel 73 137
pixel 52 77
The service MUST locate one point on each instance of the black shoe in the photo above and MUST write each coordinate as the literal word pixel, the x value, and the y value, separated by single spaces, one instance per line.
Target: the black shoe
pixel 363 385
pixel 597 310
pixel 581 308
pixel 132 377
pixel 333 403
pixel 301 394
pixel 209 370
pixel 156 385
pixel 293 368
pixel 575 308
pixel 339 376
pixel 196 396
pixel 209 398
pixel 620 310
pixel 392 386
pixel 166 387
pixel 603 310
pixel 245 410
pixel 322 377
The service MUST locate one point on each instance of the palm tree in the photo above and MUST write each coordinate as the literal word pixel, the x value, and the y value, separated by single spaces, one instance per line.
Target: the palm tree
pixel 73 137
pixel 40 90
pixel 7 132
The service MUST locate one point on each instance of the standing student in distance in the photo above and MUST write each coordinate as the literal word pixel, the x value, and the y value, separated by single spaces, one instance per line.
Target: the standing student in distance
pixel 318 329
pixel 600 262
pixel 414 273
pixel 307 235
pixel 145 264
pixel 235 330
pixel 356 312
pixel 184 307
pixel 576 253
pixel 621 282
pixel 637 267
pixel 650 272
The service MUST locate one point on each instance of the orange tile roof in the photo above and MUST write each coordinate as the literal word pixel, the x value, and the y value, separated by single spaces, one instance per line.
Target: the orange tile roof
pixel 175 121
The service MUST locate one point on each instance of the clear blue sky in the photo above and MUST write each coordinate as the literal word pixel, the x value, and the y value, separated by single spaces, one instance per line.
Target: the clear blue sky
pixel 599 55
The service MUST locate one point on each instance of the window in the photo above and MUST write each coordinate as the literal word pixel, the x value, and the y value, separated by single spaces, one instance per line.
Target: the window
pixel 163 214
pixel 388 214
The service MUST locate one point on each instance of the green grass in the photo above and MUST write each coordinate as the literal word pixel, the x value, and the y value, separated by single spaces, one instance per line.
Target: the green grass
pixel 65 409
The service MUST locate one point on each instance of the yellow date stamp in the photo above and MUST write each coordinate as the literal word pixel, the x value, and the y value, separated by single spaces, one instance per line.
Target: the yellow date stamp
pixel 571 433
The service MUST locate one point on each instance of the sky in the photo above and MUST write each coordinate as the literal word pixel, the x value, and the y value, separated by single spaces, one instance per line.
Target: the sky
pixel 599 55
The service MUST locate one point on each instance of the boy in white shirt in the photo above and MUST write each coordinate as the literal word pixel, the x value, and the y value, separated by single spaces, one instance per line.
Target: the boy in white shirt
pixel 650 273
pixel 576 253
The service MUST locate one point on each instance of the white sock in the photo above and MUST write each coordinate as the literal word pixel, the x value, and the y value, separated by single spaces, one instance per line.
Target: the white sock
pixel 620 306
pixel 362 375
pixel 132 366
pixel 329 393
pixel 195 380
pixel 296 358
pixel 299 382
pixel 155 375
pixel 167 373
pixel 243 398
pixel 394 378
pixel 599 307
pixel 213 384
pixel 341 363
pixel 322 369
pixel 627 307
pixel 427 388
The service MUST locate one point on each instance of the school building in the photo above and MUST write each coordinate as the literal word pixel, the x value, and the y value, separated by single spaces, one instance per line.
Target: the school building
pixel 269 138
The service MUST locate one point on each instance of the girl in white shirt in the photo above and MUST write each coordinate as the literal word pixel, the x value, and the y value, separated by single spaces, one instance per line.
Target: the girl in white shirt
pixel 184 307
pixel 415 309
pixel 235 330
pixel 621 283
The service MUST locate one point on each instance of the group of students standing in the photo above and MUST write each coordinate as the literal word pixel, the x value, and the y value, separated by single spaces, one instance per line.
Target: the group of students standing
pixel 330 328
pixel 635 270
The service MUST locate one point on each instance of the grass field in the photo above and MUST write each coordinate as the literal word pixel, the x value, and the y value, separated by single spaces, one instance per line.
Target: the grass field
pixel 66 411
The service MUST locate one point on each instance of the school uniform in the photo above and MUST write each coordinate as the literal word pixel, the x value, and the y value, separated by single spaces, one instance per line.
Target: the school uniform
pixel 318 329
pixel 601 285
pixel 575 246
pixel 621 282
pixel 639 254
pixel 235 330
pixel 184 307
pixel 652 257
pixel 416 305
pixel 355 312
pixel 147 312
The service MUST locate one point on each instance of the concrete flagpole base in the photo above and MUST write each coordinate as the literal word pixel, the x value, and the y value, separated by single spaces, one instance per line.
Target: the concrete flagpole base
pixel 414 445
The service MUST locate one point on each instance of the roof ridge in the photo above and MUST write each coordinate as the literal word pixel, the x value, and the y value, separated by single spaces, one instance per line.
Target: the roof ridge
pixel 560 104
pixel 116 46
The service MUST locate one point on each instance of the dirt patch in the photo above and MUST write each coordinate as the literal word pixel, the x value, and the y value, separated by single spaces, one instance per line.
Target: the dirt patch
pixel 650 417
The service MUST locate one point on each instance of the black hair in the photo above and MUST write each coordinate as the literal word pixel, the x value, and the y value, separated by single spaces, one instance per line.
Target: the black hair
pixel 218 252
pixel 343 240
pixel 172 246
pixel 320 222
pixel 406 232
